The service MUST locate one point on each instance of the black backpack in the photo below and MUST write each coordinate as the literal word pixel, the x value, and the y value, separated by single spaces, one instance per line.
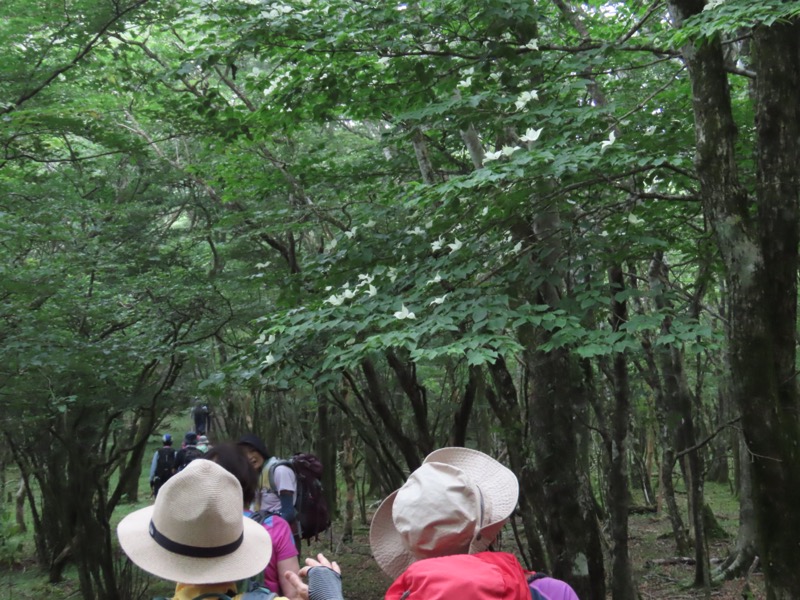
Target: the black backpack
pixel 309 502
pixel 165 463
pixel 190 453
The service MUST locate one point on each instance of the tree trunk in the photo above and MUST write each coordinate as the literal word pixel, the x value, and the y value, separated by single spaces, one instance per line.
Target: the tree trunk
pixel 622 586
pixel 744 553
pixel 349 475
pixel 572 535
pixel 760 253
pixel 326 445
pixel 20 506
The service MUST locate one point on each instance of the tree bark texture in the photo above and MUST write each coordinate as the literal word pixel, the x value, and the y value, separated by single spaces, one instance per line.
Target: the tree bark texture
pixel 760 251
pixel 622 586
pixel 572 535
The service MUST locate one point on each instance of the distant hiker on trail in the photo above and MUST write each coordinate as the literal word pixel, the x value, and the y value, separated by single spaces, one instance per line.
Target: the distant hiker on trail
pixel 203 444
pixel 188 453
pixel 279 501
pixel 163 464
pixel 201 416
pixel 433 535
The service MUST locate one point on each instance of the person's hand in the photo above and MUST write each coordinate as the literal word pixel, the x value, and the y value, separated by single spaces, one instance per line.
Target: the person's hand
pixel 320 562
pixel 299 584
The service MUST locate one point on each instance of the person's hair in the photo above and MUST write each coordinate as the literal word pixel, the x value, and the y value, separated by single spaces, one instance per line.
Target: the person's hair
pixel 231 458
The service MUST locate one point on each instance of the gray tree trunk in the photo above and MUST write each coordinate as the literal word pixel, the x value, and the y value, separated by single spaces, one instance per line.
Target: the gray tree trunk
pixel 758 239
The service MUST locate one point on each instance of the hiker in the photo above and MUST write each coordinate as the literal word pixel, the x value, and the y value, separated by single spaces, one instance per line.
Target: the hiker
pixel 201 416
pixel 279 501
pixel 203 444
pixel 188 452
pixel 229 547
pixel 162 465
pixel 284 553
pixel 432 536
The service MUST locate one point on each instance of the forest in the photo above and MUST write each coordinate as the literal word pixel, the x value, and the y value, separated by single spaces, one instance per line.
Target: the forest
pixel 562 232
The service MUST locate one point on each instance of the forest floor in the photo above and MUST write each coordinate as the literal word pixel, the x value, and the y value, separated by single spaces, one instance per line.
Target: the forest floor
pixel 659 575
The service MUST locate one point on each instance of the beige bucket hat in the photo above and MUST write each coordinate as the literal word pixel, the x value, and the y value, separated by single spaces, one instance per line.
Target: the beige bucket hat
pixel 196 532
pixel 455 503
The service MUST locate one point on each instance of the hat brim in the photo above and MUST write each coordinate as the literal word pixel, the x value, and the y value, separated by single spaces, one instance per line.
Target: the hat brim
pixel 386 542
pixel 497 483
pixel 250 558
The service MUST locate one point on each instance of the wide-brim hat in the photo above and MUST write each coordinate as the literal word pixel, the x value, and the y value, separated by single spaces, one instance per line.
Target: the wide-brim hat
pixel 455 503
pixel 196 532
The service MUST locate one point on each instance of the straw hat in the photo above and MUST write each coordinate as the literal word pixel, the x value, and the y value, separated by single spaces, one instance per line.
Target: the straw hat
pixel 455 503
pixel 195 532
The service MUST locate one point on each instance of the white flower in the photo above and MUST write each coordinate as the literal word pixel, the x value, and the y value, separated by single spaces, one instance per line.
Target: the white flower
pixel 404 313
pixel 492 156
pixel 456 245
pixel 372 290
pixel 606 143
pixel 517 247
pixel 328 288
pixel 465 83
pixel 531 135
pixel 351 233
pixel 348 294
pixel 263 265
pixel 429 224
pixel 604 233
pixel 634 220
pixel 533 44
pixel 417 231
pixel 335 300
pixel 438 300
pixel 268 360
pixel 509 150
pixel 392 274
pixel 485 211
pixel 436 279
pixel 650 130
pixel 332 243
pixel 525 97
pixel 364 278
pixel 437 245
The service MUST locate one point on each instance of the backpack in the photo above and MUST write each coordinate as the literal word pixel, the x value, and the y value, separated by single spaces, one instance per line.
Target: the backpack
pixel 164 463
pixel 549 588
pixel 482 576
pixel 309 502
pixel 189 454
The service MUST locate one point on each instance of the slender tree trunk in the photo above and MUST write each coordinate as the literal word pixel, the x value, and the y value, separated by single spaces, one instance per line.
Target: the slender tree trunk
pixel 622 586
pixel 20 506
pixel 744 553
pixel 349 475
pixel 326 445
